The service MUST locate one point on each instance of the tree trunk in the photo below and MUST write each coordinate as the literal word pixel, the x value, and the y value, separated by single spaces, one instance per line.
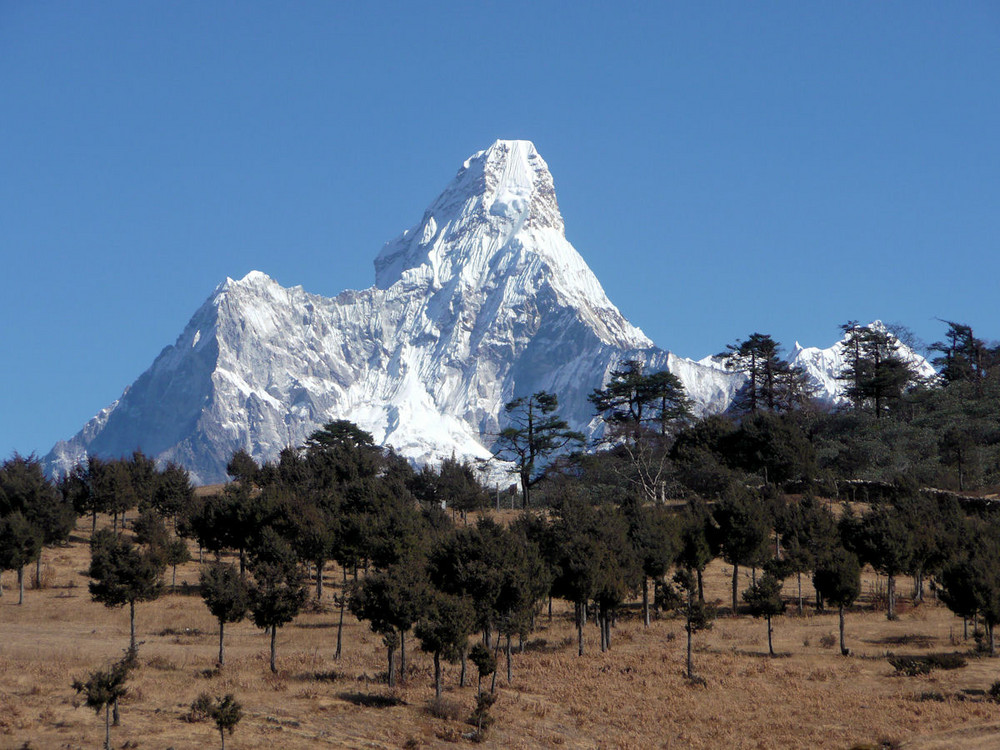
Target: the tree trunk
pixel 891 587
pixel 600 628
pixel 579 629
pixel 507 649
pixel 173 580
pixel 340 623
pixel 550 607
pixel 274 635
pixel 607 631
pixel 222 654
pixel 736 583
pixel 131 623
pixel 319 580
pixel 402 657
pixel 799 574
pixel 222 734
pixel 645 601
pixel 461 674
pixel 93 523
pixel 107 726
pixel 437 674
pixel 20 586
pixel 392 666
pixel 701 587
pixel 770 644
pixel 38 571
pixel 918 585
pixel 989 629
pixel 690 655
pixel 843 648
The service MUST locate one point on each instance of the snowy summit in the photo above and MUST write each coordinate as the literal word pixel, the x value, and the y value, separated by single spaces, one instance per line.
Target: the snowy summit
pixel 481 301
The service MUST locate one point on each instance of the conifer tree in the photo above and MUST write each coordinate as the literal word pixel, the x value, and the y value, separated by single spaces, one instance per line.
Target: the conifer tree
pixel 123 574
pixel 534 433
pixel 837 579
pixel 227 597
pixel 763 598
pixel 444 630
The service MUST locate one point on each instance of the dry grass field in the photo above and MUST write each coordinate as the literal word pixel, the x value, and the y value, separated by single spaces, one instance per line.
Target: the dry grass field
pixel 633 696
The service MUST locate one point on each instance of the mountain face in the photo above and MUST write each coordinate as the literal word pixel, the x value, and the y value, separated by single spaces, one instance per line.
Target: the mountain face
pixel 481 301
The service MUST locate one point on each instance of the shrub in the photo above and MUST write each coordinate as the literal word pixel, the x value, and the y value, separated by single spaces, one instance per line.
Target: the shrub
pixel 994 691
pixel 444 708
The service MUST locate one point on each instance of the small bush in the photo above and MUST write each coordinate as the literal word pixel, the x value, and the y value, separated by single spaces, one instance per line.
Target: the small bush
pixel 994 692
pixel 372 700
pixel 444 708
pixel 917 665
pixel 201 709
pixel 481 718
pixel 910 666
pixel 828 641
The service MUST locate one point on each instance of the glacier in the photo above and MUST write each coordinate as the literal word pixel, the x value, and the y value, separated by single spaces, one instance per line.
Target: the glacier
pixel 483 300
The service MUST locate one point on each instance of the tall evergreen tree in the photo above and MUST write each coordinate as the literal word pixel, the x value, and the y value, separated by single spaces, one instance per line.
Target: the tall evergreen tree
pixel 837 579
pixel 123 574
pixel 533 434
pixel 227 597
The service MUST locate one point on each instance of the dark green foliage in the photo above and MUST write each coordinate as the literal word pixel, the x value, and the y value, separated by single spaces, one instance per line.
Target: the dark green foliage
pixel 697 615
pixel 971 583
pixel 484 661
pixel 226 595
pixel 744 533
pixel 276 595
pixel 242 468
pixel 881 539
pixel 837 579
pixel 458 488
pixel 173 492
pixel 911 666
pixel 772 383
pixel 444 630
pixel 533 434
pixel 699 456
pixel 963 357
pixel 772 446
pixel 392 600
pixel 104 688
pixel 763 599
pixel 875 375
pixel 20 544
pixel 226 712
pixel 123 574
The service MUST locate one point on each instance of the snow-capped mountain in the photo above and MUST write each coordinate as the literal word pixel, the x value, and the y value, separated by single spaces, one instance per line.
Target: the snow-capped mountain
pixel 483 300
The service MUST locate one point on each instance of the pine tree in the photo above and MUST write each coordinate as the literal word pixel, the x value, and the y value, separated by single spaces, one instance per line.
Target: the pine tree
pixel 763 599
pixel 534 433
pixel 123 574
pixel 227 597
pixel 837 579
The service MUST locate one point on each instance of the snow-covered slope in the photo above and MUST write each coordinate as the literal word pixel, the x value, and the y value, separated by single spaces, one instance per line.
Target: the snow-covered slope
pixel 483 300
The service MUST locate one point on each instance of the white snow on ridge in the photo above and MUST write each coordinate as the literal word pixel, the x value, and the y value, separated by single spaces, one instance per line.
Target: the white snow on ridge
pixel 481 301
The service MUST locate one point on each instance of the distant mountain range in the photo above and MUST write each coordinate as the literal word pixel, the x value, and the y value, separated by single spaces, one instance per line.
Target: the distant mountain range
pixel 483 300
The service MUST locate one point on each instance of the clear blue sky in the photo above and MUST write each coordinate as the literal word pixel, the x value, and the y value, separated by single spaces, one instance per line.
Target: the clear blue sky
pixel 724 168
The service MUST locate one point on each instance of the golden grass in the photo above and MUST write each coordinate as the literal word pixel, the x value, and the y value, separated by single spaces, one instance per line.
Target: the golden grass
pixel 632 697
